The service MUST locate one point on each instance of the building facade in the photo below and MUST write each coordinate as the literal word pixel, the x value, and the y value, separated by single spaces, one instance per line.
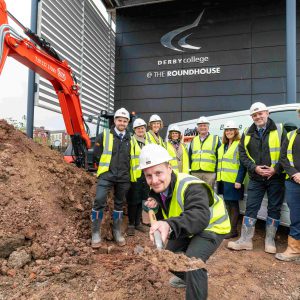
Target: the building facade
pixel 183 59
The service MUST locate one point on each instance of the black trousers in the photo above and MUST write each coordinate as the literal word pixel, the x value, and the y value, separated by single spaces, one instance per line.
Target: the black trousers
pixel 120 191
pixel 202 246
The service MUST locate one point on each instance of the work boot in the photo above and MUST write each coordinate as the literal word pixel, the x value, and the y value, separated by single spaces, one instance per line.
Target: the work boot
pixel 247 233
pixel 177 282
pixel 271 228
pixel 97 217
pixel 117 223
pixel 131 230
pixel 141 228
pixel 292 252
pixel 233 211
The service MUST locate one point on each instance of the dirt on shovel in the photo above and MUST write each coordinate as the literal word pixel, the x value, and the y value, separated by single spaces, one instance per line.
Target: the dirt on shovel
pixel 165 259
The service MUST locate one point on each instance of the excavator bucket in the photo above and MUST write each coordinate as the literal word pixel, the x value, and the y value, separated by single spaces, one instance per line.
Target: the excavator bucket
pixel 4 50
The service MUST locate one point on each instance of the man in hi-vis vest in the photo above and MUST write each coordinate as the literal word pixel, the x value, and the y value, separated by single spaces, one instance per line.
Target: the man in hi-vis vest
pixel 195 219
pixel 112 153
pixel 203 153
pixel 259 152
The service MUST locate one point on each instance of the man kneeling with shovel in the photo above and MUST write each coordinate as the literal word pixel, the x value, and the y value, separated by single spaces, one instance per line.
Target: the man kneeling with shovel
pixel 195 219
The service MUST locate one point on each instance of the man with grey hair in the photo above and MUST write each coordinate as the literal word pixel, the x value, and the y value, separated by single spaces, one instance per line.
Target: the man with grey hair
pixel 259 153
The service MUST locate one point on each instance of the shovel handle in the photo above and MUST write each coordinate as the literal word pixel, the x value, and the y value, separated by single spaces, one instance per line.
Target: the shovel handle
pixel 157 236
pixel 152 216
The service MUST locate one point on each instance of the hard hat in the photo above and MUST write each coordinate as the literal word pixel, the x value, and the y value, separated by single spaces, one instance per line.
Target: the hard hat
pixel 203 120
pixel 139 122
pixel 174 128
pixel 257 107
pixel 122 112
pixel 230 125
pixel 155 118
pixel 152 155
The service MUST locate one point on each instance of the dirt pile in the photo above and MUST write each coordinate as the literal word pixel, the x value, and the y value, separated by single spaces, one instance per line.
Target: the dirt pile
pixel 42 198
pixel 45 249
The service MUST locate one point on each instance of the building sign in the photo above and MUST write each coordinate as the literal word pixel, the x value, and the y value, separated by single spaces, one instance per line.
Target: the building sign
pixel 166 41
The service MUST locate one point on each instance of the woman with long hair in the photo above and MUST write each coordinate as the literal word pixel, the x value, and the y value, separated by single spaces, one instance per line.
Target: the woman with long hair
pixel 231 174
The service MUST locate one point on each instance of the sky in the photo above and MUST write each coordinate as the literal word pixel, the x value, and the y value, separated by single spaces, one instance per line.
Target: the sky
pixel 14 80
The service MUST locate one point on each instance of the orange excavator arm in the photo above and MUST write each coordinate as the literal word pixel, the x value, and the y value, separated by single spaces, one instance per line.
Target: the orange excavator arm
pixel 46 62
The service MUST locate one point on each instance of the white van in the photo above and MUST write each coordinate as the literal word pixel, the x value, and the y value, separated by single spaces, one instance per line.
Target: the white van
pixel 285 114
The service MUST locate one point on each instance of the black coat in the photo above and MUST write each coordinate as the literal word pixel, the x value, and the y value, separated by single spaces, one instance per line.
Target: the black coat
pixel 296 155
pixel 259 151
pixel 196 215
pixel 120 161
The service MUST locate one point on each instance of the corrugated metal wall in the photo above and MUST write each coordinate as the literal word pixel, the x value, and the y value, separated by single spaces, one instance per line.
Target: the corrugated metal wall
pixel 80 34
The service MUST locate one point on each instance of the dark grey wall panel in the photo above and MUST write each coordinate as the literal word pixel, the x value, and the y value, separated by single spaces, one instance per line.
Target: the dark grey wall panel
pixel 231 87
pixel 151 105
pixel 223 103
pixel 151 91
pixel 245 39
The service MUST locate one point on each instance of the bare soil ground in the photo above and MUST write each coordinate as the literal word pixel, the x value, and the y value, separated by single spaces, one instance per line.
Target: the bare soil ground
pixel 45 241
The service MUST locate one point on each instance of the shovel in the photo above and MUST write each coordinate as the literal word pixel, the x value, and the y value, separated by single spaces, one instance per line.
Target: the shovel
pixel 157 236
pixel 166 259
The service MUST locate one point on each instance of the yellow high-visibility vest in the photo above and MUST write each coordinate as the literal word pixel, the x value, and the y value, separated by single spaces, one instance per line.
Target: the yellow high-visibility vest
pixel 204 153
pixel 291 136
pixel 274 144
pixel 228 163
pixel 105 158
pixel 174 162
pixel 151 139
pixel 135 151
pixel 219 220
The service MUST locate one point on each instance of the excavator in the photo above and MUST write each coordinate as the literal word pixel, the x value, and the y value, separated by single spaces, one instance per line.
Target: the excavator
pixel 37 54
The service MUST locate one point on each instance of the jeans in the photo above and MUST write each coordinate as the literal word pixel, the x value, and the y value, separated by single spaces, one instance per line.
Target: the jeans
pixel 292 194
pixel 256 191
pixel 120 191
pixel 202 246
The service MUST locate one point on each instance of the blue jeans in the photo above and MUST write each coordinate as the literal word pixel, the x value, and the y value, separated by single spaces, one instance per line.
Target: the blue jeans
pixel 292 194
pixel 256 191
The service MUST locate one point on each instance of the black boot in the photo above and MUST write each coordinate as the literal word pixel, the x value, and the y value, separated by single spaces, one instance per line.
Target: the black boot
pixel 96 231
pixel 233 212
pixel 117 223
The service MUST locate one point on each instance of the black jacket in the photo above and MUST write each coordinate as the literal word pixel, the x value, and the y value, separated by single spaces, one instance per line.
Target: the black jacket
pixel 296 156
pixel 120 160
pixel 259 151
pixel 196 215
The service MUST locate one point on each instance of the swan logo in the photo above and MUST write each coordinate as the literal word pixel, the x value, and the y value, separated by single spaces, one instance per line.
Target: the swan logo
pixel 166 40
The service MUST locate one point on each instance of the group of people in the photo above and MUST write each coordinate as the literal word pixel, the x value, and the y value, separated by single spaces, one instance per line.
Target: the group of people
pixel 178 182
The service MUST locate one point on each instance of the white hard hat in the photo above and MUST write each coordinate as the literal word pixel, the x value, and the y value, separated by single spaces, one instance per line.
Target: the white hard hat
pixel 152 155
pixel 203 120
pixel 122 112
pixel 139 122
pixel 174 128
pixel 230 125
pixel 257 107
pixel 155 118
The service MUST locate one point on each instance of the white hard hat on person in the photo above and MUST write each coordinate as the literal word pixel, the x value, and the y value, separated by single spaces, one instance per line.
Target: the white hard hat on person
pixel 139 122
pixel 203 120
pixel 174 128
pixel 257 107
pixel 155 118
pixel 122 112
pixel 230 125
pixel 153 155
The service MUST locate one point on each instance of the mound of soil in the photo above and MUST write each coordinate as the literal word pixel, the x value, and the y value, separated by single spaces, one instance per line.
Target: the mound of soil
pixel 45 250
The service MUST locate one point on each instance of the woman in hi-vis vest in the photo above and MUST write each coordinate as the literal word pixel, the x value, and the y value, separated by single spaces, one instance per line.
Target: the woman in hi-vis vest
pixel 139 189
pixel 178 151
pixel 155 125
pixel 231 174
